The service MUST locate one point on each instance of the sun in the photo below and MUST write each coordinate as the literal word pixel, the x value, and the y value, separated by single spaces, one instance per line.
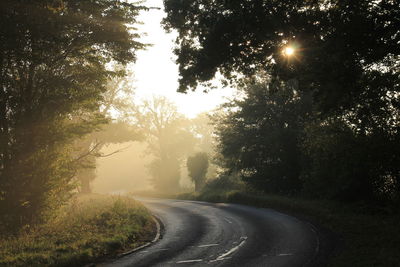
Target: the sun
pixel 288 51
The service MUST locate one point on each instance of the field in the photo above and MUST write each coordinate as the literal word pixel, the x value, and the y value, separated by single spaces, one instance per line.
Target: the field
pixel 89 229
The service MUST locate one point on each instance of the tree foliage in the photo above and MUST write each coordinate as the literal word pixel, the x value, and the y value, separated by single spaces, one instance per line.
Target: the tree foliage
pixel 197 166
pixel 347 54
pixel 348 166
pixel 274 141
pixel 116 106
pixel 259 136
pixel 53 57
pixel 346 67
pixel 169 140
pixel 203 129
pixel 345 50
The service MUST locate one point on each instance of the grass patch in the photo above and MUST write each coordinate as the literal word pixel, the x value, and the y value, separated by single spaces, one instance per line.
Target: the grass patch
pixel 368 236
pixel 88 229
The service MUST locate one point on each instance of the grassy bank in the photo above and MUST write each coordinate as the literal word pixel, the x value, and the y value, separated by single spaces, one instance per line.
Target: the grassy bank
pixel 88 229
pixel 365 236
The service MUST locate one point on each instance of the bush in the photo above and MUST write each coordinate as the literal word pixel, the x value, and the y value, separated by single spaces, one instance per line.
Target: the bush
pixel 224 182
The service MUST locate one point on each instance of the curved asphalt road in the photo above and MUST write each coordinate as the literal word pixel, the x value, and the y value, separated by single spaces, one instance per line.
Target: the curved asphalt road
pixel 207 234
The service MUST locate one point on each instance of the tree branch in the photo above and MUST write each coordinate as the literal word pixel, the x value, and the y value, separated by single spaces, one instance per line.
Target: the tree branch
pixel 114 152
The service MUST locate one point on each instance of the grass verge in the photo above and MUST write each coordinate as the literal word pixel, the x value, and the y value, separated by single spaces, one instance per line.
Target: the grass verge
pixel 364 236
pixel 89 229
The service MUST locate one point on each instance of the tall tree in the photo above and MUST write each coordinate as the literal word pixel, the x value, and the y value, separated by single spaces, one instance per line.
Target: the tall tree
pixel 53 57
pixel 345 54
pixel 259 136
pixel 116 104
pixel 169 140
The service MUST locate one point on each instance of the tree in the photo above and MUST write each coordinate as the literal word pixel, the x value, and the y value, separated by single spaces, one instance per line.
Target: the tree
pixel 203 129
pixel 259 136
pixel 53 72
pixel 346 58
pixel 341 47
pixel 197 166
pixel 346 166
pixel 346 54
pixel 169 140
pixel 115 106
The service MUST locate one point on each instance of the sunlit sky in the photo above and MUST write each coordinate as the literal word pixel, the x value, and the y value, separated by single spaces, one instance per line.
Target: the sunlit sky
pixel 157 74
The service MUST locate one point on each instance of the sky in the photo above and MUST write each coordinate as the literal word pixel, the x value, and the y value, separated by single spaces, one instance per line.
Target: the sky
pixel 156 72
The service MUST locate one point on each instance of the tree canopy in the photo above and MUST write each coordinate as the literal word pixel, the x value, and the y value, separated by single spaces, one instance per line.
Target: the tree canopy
pixel 344 62
pixel 346 53
pixel 115 105
pixel 259 136
pixel 53 73
pixel 169 140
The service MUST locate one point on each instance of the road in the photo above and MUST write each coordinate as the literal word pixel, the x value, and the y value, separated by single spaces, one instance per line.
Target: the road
pixel 207 234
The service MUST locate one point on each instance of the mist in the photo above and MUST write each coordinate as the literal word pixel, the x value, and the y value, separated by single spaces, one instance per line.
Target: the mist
pixel 127 171
pixel 123 171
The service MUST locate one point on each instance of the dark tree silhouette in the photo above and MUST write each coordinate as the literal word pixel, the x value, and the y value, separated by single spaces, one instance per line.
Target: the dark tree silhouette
pixel 259 136
pixel 343 49
pixel 346 59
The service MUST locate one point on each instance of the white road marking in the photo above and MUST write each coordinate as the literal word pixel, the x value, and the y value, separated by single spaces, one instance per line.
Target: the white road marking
pixel 284 254
pixel 224 256
pixel 208 245
pixel 189 261
pixel 227 220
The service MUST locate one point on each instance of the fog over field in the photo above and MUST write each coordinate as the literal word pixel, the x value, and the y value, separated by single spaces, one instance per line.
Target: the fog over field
pixel 126 171
pixel 123 171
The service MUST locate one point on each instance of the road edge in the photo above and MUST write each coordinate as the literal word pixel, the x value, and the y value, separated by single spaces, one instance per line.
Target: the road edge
pixel 156 238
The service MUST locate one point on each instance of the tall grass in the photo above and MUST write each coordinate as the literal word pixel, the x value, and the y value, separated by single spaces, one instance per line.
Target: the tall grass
pixel 88 229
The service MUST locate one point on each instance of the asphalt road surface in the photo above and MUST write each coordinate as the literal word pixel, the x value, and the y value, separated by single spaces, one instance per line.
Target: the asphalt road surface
pixel 207 234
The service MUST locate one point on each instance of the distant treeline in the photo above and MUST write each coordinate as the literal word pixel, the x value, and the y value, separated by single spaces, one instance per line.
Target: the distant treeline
pixel 322 120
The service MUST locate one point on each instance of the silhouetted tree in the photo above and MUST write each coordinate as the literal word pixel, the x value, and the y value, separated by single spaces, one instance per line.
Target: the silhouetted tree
pixel 345 51
pixel 197 166
pixel 346 59
pixel 344 165
pixel 259 136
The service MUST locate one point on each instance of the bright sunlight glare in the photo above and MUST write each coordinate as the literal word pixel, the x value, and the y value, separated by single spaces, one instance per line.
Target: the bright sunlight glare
pixel 288 51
